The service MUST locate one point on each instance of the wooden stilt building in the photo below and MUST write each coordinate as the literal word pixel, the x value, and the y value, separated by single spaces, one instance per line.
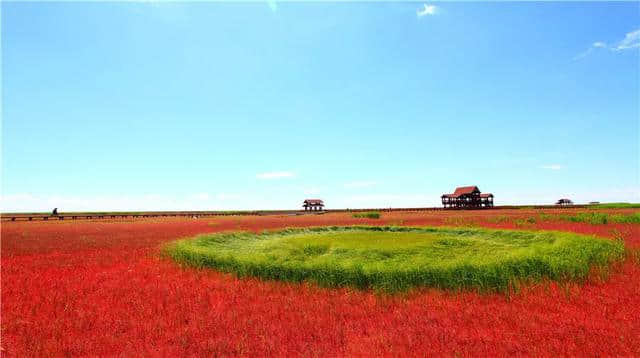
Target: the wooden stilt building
pixel 313 205
pixel 564 202
pixel 467 197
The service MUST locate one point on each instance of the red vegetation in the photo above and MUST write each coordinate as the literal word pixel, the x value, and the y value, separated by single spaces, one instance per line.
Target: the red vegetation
pixel 101 288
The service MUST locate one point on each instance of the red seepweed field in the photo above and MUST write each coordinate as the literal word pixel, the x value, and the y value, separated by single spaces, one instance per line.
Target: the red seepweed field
pixel 103 288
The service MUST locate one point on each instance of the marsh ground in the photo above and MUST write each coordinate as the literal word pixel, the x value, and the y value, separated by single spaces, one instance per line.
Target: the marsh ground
pixel 102 288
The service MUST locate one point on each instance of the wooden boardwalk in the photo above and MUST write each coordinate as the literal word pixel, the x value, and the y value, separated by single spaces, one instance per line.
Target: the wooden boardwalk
pixel 198 214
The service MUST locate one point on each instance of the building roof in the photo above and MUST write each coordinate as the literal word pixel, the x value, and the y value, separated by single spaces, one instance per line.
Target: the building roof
pixel 465 190
pixel 313 202
pixel 462 190
pixel 486 195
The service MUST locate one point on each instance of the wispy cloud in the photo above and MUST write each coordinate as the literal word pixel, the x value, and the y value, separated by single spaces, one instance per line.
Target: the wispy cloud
pixel 360 184
pixel 427 10
pixel 275 175
pixel 552 167
pixel 631 40
pixel 595 45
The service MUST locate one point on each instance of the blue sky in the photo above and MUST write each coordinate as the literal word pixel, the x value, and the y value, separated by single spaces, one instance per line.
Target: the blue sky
pixel 178 106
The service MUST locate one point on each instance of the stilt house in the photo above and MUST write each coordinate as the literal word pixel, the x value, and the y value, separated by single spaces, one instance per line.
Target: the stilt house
pixel 467 197
pixel 313 205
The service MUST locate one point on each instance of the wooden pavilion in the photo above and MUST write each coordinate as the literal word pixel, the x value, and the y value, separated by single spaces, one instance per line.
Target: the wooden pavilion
pixel 564 202
pixel 313 205
pixel 467 197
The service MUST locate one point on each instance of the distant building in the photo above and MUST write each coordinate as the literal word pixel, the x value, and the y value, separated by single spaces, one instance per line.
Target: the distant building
pixel 564 202
pixel 467 197
pixel 594 202
pixel 313 204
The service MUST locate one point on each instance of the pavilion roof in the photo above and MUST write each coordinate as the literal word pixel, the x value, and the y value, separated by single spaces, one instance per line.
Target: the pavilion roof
pixel 465 190
pixel 462 190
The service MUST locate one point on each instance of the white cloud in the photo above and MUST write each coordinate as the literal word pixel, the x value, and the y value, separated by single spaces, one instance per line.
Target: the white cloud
pixel 552 167
pixel 275 175
pixel 630 41
pixel 360 184
pixel 595 45
pixel 428 10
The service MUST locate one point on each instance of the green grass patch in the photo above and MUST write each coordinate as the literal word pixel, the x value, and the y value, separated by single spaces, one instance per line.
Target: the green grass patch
pixel 615 206
pixel 601 218
pixel 368 215
pixel 396 259
pixel 626 219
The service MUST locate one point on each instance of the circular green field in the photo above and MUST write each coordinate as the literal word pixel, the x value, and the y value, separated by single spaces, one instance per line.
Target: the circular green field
pixel 399 258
